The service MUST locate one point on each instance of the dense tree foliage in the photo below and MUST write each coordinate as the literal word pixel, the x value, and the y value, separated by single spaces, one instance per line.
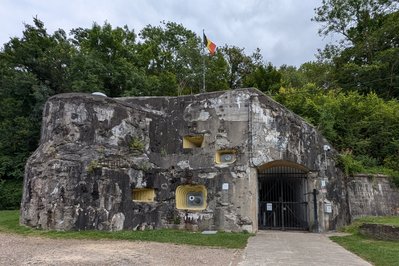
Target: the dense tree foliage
pixel 349 94
pixel 367 57
pixel 364 126
pixel 105 59
pixel 171 56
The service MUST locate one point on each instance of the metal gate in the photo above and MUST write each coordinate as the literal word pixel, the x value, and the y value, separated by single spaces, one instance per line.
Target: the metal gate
pixel 282 199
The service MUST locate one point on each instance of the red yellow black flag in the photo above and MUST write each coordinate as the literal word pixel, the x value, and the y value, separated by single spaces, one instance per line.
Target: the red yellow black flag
pixel 210 45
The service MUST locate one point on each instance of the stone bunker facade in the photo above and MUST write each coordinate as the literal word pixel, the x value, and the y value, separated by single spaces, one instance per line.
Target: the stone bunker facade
pixel 233 160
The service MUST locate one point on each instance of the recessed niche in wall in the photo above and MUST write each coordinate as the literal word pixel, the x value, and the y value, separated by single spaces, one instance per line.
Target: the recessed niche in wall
pixel 225 156
pixel 193 141
pixel 191 197
pixel 143 194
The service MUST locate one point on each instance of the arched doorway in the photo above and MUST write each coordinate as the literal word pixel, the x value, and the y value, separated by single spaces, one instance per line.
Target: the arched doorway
pixel 283 196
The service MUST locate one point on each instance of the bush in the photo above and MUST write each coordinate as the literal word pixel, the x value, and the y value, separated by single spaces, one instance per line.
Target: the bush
pixel 392 161
pixel 367 161
pixel 350 165
pixel 363 127
pixel 10 194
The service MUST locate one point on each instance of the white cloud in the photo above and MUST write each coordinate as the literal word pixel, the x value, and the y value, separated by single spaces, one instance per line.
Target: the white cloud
pixel 281 29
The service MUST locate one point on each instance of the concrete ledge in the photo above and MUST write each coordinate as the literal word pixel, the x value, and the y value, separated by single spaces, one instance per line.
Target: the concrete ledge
pixel 380 231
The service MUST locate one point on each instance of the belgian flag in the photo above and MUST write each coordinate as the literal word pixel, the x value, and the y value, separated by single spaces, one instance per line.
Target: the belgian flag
pixel 210 45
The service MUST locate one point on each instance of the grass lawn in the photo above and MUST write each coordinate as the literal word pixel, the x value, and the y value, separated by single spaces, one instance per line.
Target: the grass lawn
pixel 9 223
pixel 378 252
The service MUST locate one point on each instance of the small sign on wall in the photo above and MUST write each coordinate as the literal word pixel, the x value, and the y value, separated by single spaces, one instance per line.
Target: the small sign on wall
pixel 327 208
pixel 269 207
pixel 225 186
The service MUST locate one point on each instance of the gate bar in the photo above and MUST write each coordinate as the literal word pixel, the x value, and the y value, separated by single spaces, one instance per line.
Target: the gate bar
pixel 316 220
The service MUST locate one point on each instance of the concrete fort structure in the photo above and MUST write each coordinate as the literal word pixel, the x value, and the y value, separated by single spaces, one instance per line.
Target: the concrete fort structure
pixel 232 160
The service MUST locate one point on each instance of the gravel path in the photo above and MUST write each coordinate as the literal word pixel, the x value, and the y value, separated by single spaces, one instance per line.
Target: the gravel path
pixel 20 250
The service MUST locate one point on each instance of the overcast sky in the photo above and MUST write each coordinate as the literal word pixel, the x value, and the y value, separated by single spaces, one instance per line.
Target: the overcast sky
pixel 280 28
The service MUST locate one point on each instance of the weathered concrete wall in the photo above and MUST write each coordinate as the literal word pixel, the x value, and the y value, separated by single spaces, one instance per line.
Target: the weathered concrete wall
pixel 94 151
pixel 278 134
pixel 83 173
pixel 380 231
pixel 372 195
pixel 80 177
pixel 223 120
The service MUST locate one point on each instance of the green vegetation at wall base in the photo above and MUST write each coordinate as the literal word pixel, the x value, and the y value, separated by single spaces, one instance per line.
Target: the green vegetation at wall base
pixel 378 252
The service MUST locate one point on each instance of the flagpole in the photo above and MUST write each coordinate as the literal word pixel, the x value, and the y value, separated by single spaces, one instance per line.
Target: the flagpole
pixel 203 62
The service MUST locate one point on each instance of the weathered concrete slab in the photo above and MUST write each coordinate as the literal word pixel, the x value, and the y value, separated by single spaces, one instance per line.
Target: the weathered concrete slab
pixel 97 155
pixel 372 195
pixel 296 248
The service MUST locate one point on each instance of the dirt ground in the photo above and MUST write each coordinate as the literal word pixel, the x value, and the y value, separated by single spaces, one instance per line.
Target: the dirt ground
pixel 20 250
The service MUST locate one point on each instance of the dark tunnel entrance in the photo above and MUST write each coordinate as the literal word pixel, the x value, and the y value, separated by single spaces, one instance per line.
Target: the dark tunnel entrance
pixel 282 198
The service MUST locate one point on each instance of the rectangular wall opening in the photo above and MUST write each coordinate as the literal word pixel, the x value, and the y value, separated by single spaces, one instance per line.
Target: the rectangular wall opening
pixel 143 194
pixel 191 197
pixel 225 156
pixel 193 141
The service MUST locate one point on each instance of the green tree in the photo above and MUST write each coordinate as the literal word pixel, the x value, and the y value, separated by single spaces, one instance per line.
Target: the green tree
pixel 291 77
pixel 239 65
pixel 319 73
pixel 107 60
pixel 217 72
pixel 45 56
pixel 171 48
pixel 367 57
pixel 265 78
pixel 365 126
pixel 354 18
pixel 32 68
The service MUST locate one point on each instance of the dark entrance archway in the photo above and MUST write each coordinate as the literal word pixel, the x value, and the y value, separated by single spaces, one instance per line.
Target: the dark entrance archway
pixel 283 196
